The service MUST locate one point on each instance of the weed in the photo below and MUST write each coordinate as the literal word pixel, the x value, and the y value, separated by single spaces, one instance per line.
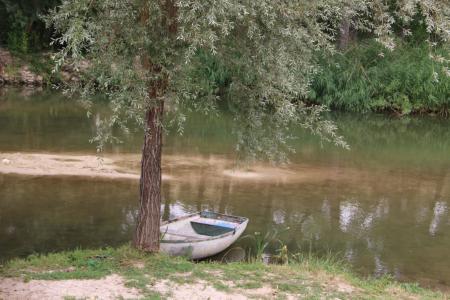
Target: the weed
pixel 261 243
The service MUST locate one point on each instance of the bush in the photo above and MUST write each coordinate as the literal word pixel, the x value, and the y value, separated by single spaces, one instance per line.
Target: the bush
pixel 17 41
pixel 369 77
pixel 21 27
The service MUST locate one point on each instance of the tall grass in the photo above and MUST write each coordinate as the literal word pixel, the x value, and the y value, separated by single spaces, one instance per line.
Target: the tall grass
pixel 368 77
pixel 260 244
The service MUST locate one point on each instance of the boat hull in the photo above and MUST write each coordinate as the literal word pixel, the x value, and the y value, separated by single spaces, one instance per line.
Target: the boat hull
pixel 198 249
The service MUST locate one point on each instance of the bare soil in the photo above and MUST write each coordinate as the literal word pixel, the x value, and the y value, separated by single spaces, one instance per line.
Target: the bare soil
pixel 113 287
pixel 110 287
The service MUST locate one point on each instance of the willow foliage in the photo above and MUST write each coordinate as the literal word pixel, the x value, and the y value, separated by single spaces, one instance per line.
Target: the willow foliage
pixel 266 46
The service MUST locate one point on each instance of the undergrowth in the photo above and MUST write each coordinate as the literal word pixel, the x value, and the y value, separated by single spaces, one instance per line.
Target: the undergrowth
pixel 368 77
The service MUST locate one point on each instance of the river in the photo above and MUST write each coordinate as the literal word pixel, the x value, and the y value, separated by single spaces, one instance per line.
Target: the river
pixel 383 206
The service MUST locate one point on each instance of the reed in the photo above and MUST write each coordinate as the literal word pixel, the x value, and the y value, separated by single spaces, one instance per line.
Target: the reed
pixel 368 77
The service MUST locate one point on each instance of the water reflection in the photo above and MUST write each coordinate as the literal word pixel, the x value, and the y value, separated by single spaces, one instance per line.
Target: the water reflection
pixel 439 215
pixel 174 210
pixel 381 221
pixel 348 212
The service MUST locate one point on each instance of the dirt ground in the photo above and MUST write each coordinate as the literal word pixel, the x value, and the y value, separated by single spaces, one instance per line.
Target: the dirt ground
pixel 110 287
pixel 113 287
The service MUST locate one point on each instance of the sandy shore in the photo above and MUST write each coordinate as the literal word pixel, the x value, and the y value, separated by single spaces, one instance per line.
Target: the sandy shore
pixel 209 170
pixel 40 164
pixel 127 166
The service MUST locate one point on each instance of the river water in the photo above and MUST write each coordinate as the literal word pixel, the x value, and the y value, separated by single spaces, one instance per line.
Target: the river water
pixel 383 206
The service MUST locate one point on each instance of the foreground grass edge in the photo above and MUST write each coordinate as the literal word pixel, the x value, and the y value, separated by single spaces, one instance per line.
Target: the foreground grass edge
pixel 307 276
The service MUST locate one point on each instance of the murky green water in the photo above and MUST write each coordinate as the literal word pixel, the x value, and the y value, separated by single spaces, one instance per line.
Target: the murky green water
pixel 383 206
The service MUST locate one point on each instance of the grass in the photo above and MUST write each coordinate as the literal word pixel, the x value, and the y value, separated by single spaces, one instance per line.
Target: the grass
pixel 367 77
pixel 305 275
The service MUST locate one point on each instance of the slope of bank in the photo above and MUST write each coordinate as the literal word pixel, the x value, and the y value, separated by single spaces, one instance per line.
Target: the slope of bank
pixel 32 69
pixel 128 274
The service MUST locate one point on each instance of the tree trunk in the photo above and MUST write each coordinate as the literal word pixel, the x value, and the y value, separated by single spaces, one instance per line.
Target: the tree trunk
pixel 344 34
pixel 148 222
pixel 147 230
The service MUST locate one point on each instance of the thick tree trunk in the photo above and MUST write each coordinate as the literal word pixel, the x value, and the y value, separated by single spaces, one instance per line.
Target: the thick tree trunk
pixel 147 230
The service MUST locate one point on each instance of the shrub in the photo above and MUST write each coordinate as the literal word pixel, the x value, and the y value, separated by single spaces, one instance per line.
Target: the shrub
pixel 368 77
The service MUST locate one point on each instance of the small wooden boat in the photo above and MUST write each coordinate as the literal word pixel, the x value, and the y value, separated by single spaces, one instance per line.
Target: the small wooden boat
pixel 201 234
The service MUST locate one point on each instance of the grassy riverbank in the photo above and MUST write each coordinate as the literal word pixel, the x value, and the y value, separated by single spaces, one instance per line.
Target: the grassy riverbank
pixel 159 276
pixel 369 78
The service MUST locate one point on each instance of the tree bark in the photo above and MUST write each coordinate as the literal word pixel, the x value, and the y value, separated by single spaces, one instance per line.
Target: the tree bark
pixel 344 34
pixel 147 230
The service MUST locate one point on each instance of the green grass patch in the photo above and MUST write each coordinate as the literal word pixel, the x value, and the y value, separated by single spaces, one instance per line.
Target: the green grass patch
pixel 304 275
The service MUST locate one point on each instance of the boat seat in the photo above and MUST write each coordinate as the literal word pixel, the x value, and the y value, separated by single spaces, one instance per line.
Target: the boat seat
pixel 182 235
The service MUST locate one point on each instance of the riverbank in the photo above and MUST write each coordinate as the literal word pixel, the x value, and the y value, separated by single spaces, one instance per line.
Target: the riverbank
pixel 124 272
pixel 32 69
pixel 411 79
pixel 28 70
pixel 365 78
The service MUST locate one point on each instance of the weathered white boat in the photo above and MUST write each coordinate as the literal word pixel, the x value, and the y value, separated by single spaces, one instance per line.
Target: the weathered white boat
pixel 201 234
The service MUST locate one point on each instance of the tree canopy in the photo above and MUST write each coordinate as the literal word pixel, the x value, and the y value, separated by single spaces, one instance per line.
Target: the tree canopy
pixel 267 48
pixel 145 55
